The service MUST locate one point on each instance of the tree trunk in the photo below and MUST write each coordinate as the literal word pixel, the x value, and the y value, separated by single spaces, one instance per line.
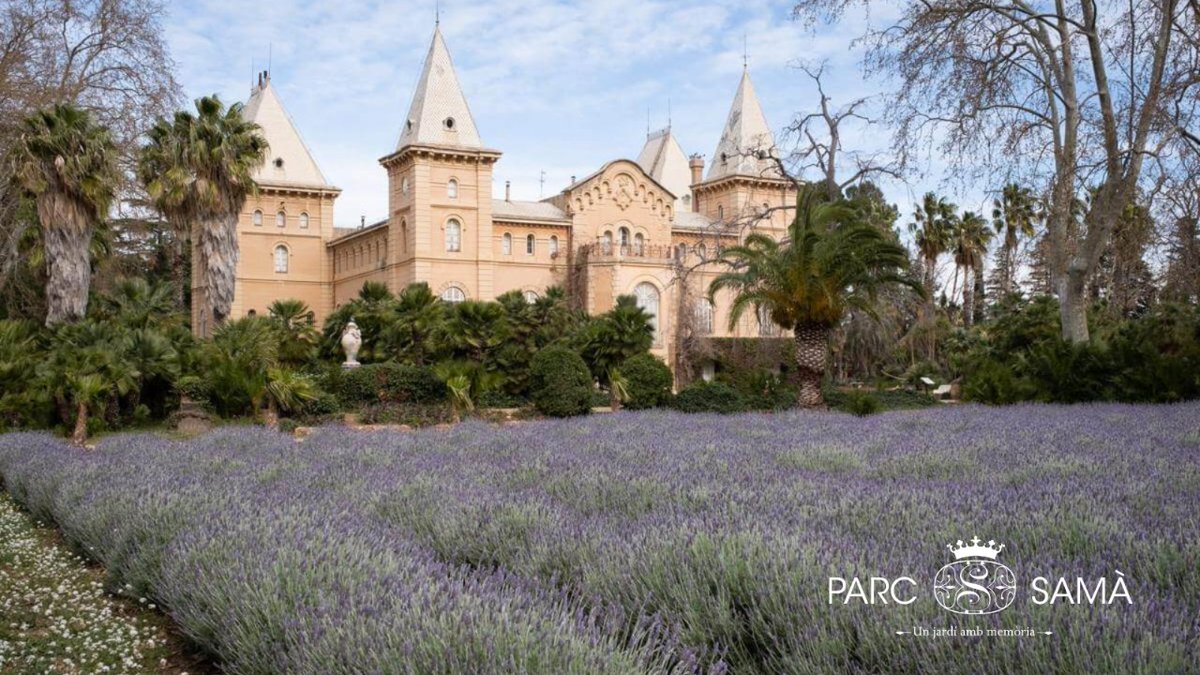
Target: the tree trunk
pixel 812 345
pixel 614 401
pixel 1072 306
pixel 968 294
pixel 271 415
pixel 67 237
pixel 79 437
pixel 219 258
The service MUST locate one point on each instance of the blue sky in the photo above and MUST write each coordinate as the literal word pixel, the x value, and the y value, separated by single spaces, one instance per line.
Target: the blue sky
pixel 560 87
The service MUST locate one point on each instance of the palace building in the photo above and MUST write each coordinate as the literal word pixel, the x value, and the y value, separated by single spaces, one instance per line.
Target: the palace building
pixel 649 227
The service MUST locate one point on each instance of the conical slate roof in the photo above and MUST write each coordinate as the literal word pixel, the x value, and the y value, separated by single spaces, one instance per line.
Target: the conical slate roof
pixel 289 161
pixel 747 140
pixel 439 114
pixel 664 160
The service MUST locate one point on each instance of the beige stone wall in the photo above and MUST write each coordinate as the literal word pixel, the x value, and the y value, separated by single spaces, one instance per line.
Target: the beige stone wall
pixel 357 258
pixel 522 271
pixel 308 272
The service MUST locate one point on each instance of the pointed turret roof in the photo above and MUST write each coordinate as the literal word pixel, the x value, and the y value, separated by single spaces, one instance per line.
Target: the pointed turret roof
pixel 746 139
pixel 664 160
pixel 289 161
pixel 439 114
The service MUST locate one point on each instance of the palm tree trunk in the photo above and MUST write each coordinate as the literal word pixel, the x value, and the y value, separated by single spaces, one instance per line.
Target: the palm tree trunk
pixel 968 296
pixel 79 437
pixel 67 238
pixel 219 257
pixel 812 345
pixel 271 415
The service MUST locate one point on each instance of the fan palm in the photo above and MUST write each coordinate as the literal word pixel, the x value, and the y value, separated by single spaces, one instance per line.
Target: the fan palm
pixel 1014 216
pixel 409 336
pixel 932 225
pixel 297 334
pixel 66 163
pixel 971 238
pixel 198 169
pixel 831 261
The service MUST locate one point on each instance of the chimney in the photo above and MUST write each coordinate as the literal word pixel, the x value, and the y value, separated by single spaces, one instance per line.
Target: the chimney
pixel 508 190
pixel 696 164
pixel 572 180
pixel 362 221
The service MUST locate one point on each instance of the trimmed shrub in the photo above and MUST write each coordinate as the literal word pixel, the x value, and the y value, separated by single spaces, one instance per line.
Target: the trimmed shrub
pixel 710 397
pixel 411 414
pixel 647 381
pixel 390 383
pixel 762 389
pixel 861 403
pixel 560 383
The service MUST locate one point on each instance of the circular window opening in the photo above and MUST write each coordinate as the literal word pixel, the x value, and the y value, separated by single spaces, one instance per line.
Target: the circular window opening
pixel 278 162
pixel 449 123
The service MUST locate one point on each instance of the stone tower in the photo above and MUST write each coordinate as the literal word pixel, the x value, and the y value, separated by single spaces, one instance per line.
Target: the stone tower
pixel 440 188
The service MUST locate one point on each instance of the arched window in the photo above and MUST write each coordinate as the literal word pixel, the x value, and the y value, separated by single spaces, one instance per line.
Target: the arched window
pixel 280 218
pixel 553 244
pixel 647 299
pixel 404 186
pixel 606 243
pixel 257 218
pixel 403 235
pixel 704 316
pixel 624 231
pixel 702 251
pixel 530 297
pixel 303 221
pixel 453 235
pixel 639 244
pixel 506 244
pixel 251 313
pixel 721 212
pixel 281 259
pixel 766 326
pixel 681 252
pixel 529 244
pixel 454 295
pixel 452 189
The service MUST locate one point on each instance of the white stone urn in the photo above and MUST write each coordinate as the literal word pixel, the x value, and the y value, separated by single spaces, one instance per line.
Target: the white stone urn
pixel 351 343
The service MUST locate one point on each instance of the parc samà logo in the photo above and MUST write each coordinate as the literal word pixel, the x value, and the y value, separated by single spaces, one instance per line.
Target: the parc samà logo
pixel 976 583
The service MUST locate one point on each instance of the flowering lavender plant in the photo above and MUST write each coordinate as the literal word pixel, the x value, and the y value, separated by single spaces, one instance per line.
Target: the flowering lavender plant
pixel 649 542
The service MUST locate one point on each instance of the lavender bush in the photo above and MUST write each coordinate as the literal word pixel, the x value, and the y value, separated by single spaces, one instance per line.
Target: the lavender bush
pixel 647 542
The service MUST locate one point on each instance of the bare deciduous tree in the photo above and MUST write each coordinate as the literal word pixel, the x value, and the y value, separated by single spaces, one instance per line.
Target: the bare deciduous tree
pixel 1060 94
pixel 105 56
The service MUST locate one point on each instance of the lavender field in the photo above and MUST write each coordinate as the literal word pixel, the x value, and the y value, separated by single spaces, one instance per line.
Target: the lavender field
pixel 654 542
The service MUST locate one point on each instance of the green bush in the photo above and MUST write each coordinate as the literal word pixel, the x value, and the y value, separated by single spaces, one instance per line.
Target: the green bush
pixel 715 397
pixel 647 381
pixel 762 389
pixel 560 383
pixel 861 403
pixel 322 405
pixel 993 382
pixel 390 383
pixel 411 414
pixel 1061 372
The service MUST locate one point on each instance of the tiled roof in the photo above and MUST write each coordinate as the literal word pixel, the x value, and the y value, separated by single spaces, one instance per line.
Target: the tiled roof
pixel 690 220
pixel 521 211
pixel 664 160
pixel 288 160
pixel 437 100
pixel 745 140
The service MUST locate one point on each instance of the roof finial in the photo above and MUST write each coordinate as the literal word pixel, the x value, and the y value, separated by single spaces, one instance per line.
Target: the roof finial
pixel 668 113
pixel 745 52
pixel 437 13
pixel 270 45
pixel 647 121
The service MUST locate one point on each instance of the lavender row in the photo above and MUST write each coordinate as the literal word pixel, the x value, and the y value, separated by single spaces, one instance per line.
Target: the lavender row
pixel 644 542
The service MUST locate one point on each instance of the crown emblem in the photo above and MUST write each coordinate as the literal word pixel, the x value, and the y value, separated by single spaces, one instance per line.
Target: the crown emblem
pixel 974 550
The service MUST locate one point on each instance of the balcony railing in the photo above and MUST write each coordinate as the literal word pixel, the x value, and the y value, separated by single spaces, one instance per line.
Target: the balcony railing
pixel 611 250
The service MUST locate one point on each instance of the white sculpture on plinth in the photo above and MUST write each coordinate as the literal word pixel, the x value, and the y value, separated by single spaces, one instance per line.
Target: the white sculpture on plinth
pixel 351 343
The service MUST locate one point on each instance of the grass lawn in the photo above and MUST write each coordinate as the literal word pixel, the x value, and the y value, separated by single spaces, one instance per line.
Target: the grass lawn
pixel 651 542
pixel 55 616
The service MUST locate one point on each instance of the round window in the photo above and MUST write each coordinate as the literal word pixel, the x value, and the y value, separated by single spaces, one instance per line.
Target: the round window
pixel 449 123
pixel 278 162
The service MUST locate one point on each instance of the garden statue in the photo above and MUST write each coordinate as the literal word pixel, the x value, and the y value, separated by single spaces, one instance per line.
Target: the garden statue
pixel 351 343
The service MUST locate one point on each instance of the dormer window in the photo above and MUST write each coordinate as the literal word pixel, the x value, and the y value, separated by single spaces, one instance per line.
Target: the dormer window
pixel 724 158
pixel 449 124
pixel 408 125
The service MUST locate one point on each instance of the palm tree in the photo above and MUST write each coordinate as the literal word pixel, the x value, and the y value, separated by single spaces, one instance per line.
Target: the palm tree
pixel 297 334
pixel 409 336
pixel 1013 216
pixel 66 163
pixel 198 170
pixel 933 222
pixel 971 238
pixel 832 261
